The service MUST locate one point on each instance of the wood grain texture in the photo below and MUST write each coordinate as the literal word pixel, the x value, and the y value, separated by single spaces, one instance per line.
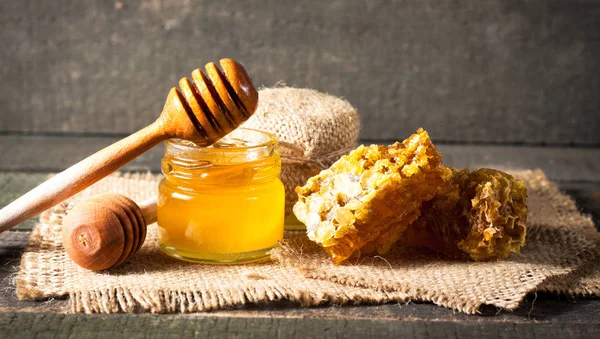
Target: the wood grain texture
pixel 94 236
pixel 13 185
pixel 478 71
pixel 34 325
pixel 39 153
pixel 106 230
pixel 53 154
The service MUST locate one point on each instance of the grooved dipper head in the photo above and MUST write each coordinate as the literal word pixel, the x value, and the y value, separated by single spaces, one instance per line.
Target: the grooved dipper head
pixel 210 105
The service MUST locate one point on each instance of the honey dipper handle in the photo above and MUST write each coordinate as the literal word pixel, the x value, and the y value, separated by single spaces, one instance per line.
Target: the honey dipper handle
pixel 81 175
pixel 148 208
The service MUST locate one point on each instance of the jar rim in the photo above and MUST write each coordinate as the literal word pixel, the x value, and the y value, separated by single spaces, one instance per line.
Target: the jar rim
pixel 267 140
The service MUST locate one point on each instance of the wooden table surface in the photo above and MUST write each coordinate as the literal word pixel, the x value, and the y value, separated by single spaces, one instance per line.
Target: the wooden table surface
pixel 28 160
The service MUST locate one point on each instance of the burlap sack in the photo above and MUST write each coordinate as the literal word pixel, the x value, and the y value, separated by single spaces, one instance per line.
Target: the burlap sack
pixel 314 129
pixel 560 256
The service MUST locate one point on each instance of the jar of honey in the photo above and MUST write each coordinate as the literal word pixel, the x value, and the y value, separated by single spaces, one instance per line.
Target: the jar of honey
pixel 222 204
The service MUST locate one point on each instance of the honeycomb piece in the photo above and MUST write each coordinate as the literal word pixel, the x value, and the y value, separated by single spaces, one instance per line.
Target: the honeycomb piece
pixel 369 197
pixel 480 215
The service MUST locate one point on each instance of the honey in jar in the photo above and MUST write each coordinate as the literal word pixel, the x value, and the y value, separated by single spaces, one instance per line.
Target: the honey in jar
pixel 222 204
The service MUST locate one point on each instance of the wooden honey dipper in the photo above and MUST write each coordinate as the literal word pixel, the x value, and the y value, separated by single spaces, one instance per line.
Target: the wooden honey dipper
pixel 205 109
pixel 106 230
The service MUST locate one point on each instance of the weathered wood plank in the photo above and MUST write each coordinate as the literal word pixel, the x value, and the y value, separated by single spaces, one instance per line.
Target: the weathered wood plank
pixel 34 325
pixel 559 163
pixel 14 185
pixel 475 71
pixel 53 154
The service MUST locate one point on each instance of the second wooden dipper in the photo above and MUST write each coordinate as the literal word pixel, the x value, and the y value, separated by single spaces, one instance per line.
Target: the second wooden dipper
pixel 106 230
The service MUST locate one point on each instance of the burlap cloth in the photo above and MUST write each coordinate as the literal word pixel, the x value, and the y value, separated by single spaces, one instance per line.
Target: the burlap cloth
pixel 313 129
pixel 560 256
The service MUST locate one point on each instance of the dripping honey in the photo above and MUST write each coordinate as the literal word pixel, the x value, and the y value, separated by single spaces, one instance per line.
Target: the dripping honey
pixel 221 204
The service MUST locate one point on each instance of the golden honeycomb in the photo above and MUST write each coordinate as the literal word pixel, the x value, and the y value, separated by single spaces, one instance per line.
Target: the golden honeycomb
pixel 366 199
pixel 481 215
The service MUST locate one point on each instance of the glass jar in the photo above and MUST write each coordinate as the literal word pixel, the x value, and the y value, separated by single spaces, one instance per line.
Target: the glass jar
pixel 221 204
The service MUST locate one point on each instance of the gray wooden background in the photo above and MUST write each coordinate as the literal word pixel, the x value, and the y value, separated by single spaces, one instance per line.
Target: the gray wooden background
pixel 470 71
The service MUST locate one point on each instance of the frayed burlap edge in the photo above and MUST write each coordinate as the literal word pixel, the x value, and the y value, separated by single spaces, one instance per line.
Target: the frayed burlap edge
pixel 128 300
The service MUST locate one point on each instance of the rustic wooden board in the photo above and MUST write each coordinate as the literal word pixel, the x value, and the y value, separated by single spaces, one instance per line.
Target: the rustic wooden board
pixel 476 71
pixel 14 185
pixel 55 153
pixel 35 325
